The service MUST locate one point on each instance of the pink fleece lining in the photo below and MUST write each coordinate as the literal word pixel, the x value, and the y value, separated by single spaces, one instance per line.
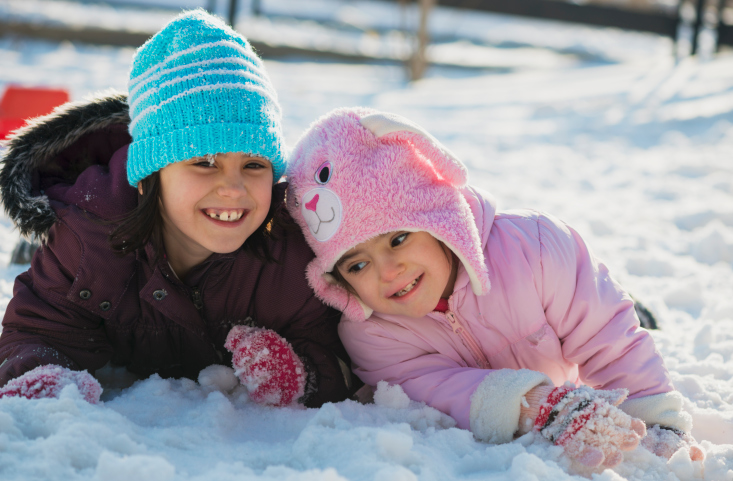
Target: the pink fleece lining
pixel 387 175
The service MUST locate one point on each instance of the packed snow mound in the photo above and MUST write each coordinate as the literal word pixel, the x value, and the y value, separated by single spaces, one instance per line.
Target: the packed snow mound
pixel 635 155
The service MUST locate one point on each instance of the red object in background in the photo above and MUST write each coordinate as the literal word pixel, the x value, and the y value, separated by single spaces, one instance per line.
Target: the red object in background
pixel 21 103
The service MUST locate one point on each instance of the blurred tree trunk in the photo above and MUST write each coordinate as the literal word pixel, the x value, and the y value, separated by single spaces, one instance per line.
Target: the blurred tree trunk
pixel 418 62
pixel 233 13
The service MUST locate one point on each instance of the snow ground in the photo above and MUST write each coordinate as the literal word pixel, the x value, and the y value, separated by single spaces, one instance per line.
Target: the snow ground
pixel 634 153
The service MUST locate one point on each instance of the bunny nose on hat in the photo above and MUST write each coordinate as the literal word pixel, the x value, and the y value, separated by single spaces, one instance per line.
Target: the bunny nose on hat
pixel 321 208
pixel 313 203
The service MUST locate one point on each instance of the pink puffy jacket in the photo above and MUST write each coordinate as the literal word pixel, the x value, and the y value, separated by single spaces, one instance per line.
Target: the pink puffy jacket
pixel 553 314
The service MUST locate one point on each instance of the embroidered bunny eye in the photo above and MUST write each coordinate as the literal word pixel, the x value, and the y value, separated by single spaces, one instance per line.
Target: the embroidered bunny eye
pixel 323 174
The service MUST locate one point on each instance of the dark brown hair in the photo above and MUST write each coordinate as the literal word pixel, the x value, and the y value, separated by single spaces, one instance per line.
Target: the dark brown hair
pixel 145 224
pixel 343 282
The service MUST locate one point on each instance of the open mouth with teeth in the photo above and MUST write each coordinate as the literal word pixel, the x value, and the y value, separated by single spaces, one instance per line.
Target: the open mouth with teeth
pixel 407 288
pixel 225 215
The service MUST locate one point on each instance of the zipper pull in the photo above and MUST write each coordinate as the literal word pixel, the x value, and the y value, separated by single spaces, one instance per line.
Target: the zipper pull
pixel 198 303
pixel 468 341
pixel 453 322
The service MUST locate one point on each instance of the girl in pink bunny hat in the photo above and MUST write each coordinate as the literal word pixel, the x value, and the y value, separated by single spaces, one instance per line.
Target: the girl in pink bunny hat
pixel 491 317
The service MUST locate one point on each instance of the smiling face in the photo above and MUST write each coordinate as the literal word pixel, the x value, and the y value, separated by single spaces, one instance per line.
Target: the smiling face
pixel 212 207
pixel 404 273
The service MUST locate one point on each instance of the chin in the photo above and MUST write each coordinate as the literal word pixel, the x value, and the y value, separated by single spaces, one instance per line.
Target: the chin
pixel 226 249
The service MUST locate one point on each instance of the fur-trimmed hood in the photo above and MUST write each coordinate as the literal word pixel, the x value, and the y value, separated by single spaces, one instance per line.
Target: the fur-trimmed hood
pixel 54 149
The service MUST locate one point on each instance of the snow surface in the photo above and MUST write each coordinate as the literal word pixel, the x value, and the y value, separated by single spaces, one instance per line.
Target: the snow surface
pixel 635 153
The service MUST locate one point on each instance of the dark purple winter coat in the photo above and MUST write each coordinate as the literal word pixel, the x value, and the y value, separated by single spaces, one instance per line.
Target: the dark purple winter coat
pixel 81 306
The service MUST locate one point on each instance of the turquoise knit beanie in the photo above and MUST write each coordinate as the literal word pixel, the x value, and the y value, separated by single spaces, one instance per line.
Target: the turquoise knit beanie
pixel 198 88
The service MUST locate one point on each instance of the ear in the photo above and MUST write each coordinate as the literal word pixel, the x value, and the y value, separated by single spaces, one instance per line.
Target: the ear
pixel 140 188
pixel 443 161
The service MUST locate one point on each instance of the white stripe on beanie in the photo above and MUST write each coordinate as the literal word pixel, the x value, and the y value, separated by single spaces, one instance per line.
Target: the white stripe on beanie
pixel 247 52
pixel 232 86
pixel 226 60
pixel 176 80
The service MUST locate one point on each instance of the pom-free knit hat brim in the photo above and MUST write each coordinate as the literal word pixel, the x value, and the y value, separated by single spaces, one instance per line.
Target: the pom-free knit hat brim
pixel 176 146
pixel 358 173
pixel 197 88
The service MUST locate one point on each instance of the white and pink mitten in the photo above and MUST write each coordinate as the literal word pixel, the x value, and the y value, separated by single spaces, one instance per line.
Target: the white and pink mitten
pixel 48 381
pixel 586 423
pixel 665 442
pixel 266 365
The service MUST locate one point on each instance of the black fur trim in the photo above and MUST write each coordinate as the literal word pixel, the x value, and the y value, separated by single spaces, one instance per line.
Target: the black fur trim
pixel 646 318
pixel 37 143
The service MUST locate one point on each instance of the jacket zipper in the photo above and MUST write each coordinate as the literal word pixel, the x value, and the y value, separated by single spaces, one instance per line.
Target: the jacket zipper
pixel 196 298
pixel 468 340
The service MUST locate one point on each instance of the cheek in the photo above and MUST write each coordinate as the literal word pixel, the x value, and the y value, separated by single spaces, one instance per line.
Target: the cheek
pixel 443 262
pixel 178 203
pixel 173 213
pixel 354 283
pixel 263 198
pixel 176 190
pixel 367 289
pixel 362 292
pixel 260 189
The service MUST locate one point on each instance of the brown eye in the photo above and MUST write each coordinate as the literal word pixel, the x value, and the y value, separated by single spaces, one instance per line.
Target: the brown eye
pixel 399 239
pixel 323 174
pixel 356 267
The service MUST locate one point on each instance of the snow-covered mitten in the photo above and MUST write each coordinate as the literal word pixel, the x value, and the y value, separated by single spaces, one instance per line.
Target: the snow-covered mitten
pixel 664 442
pixel 48 381
pixel 588 425
pixel 266 365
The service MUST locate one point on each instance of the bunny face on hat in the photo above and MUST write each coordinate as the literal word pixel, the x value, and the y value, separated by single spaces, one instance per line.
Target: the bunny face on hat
pixel 357 173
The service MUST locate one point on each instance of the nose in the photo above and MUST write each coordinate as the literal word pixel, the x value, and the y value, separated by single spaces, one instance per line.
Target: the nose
pixel 390 267
pixel 232 185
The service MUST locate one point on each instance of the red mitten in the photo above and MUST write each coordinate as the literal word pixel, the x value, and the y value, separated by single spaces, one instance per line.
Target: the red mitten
pixel 266 365
pixel 48 381
pixel 587 423
pixel 665 442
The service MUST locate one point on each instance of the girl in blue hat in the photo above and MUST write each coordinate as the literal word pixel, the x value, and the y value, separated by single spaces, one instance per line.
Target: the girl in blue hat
pixel 165 248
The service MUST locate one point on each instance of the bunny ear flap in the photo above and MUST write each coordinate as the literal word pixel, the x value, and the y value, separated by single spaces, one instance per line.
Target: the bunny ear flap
pixel 443 161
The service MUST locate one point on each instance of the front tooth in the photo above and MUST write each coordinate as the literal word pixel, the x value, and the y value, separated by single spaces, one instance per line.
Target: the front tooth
pixel 224 216
pixel 407 288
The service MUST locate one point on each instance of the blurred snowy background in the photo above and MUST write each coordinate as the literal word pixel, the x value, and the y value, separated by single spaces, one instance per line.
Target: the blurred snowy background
pixel 612 131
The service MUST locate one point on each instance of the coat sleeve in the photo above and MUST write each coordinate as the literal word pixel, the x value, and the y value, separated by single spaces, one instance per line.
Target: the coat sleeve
pixel 483 400
pixel 286 303
pixel 41 325
pixel 598 327
pixel 314 338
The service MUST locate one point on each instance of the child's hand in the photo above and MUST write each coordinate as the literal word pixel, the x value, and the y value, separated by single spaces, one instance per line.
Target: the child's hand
pixel 665 442
pixel 48 381
pixel 587 423
pixel 266 365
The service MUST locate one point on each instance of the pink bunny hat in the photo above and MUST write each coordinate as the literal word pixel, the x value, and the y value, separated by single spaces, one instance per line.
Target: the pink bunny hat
pixel 357 173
